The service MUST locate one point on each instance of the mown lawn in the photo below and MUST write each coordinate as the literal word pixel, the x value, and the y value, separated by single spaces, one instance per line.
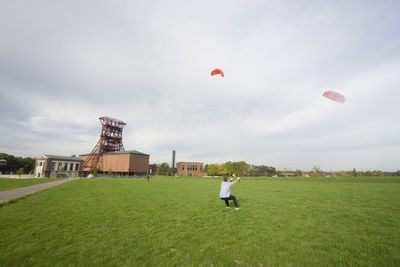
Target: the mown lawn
pixel 181 222
pixel 8 183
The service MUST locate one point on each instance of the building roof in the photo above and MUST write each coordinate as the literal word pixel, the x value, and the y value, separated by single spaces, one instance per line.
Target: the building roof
pixel 122 152
pixel 127 152
pixel 59 157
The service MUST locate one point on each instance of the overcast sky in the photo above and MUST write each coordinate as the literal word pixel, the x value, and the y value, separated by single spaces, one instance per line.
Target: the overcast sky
pixel 64 64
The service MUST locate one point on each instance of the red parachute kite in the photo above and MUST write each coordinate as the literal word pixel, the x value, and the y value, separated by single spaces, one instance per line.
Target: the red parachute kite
pixel 217 71
pixel 334 96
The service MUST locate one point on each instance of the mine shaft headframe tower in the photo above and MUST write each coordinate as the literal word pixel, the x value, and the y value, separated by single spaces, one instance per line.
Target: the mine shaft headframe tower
pixel 111 135
pixel 110 141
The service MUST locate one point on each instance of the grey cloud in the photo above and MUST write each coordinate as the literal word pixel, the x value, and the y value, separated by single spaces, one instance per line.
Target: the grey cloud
pixel 64 64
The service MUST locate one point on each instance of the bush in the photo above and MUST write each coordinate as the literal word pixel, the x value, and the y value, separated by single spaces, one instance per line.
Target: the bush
pixel 20 171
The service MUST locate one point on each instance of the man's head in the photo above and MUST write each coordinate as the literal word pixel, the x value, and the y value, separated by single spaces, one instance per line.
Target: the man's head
pixel 225 178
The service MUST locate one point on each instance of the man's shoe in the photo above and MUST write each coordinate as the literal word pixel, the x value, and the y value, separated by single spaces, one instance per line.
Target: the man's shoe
pixel 228 207
pixel 237 208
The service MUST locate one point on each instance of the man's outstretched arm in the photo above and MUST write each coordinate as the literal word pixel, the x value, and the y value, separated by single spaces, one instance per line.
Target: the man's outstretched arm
pixel 237 180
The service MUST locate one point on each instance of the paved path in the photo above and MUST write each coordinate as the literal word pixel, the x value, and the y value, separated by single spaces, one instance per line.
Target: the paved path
pixel 29 190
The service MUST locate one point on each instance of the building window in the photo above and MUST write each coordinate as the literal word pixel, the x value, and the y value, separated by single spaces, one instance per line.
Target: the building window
pixel 71 166
pixel 59 166
pixel 76 166
pixel 183 167
pixel 53 166
pixel 41 163
pixel 65 166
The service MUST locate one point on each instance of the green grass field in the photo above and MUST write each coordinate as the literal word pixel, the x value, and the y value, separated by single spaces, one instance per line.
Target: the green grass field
pixel 182 222
pixel 8 183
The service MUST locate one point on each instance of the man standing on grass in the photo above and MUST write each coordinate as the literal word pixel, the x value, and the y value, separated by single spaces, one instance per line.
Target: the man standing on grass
pixel 225 193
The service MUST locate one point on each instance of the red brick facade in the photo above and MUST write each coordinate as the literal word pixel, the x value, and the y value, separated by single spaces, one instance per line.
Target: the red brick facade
pixel 189 169
pixel 129 162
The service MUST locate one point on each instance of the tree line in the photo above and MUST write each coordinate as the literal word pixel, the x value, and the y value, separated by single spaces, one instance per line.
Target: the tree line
pixel 22 165
pixel 239 168
pixel 317 171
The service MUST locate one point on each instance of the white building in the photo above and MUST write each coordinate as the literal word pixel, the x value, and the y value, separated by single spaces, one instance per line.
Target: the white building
pixel 58 166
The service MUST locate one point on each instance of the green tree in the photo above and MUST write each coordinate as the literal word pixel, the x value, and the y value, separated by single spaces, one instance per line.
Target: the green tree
pixel 11 160
pixel 20 171
pixel 212 170
pixel 26 163
pixel 110 172
pixel 239 168
pixel 163 169
pixel 271 171
pixel 317 171
pixel 256 171
pixel 206 168
pixel 222 169
pixel 377 173
pixel 227 168
pixel 368 173
pixel 261 170
pixel 344 173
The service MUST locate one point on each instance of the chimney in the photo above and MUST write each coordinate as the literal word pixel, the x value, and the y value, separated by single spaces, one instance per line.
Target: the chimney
pixel 173 159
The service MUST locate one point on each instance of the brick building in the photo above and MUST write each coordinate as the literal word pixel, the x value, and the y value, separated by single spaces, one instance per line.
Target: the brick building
pixel 189 169
pixel 153 169
pixel 130 162
pixel 5 168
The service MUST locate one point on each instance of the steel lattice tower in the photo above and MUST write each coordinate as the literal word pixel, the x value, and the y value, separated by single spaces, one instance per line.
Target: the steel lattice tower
pixel 110 141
